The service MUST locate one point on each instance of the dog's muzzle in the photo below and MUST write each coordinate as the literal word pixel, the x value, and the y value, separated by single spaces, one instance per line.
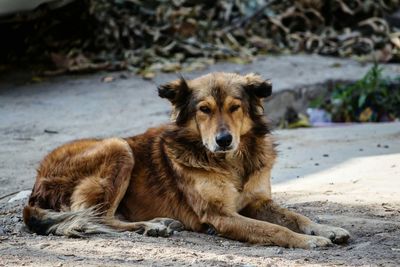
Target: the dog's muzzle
pixel 224 141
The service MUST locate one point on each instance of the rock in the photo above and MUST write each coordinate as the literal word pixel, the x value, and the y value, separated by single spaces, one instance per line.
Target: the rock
pixel 108 79
pixel 42 246
pixel 225 243
pixel 21 195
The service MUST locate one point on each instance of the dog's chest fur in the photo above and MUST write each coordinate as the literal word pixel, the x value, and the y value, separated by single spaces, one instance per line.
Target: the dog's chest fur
pixel 231 190
pixel 174 170
pixel 229 180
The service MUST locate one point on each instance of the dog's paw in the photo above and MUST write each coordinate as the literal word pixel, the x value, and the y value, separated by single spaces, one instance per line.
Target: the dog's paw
pixel 163 227
pixel 307 241
pixel 171 224
pixel 336 234
pixel 211 230
pixel 317 241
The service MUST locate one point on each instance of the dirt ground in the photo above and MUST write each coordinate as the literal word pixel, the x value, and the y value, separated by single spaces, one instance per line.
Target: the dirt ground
pixel 375 231
pixel 344 176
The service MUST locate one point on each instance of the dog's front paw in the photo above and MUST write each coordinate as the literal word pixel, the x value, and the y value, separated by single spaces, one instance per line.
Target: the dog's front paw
pixel 317 241
pixel 163 227
pixel 335 234
pixel 308 241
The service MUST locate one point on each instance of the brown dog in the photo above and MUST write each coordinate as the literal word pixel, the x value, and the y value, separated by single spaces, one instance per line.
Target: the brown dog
pixel 210 167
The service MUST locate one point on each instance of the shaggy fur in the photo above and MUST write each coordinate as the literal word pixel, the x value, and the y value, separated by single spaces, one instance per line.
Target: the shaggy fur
pixel 210 167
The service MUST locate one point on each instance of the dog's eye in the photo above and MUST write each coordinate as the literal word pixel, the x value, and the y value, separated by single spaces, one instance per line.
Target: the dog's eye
pixel 205 109
pixel 234 108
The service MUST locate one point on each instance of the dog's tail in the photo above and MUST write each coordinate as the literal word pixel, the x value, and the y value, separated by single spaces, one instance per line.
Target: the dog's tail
pixel 71 223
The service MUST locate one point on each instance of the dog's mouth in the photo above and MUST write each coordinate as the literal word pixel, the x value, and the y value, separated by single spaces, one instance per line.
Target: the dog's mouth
pixel 214 148
pixel 224 149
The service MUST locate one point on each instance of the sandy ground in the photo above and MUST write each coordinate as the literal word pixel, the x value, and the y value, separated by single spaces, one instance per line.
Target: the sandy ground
pixel 345 176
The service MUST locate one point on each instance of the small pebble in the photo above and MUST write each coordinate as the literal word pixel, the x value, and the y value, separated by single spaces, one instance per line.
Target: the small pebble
pixel 325 155
pixel 378 145
pixel 316 164
pixel 50 131
pixel 108 79
pixel 361 149
pixel 386 146
pixel 279 251
pixel 42 246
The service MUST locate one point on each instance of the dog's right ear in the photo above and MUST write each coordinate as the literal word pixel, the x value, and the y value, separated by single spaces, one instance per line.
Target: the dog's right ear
pixel 174 91
pixel 257 86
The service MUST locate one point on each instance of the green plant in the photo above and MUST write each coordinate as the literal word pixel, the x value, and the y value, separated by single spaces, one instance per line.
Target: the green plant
pixel 371 99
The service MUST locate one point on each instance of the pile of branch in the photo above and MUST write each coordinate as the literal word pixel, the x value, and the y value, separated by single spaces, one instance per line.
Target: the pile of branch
pixel 147 36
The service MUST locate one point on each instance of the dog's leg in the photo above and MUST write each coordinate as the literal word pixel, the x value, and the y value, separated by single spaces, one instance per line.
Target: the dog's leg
pixel 267 210
pixel 242 228
pixel 106 188
pixel 163 227
pixel 111 162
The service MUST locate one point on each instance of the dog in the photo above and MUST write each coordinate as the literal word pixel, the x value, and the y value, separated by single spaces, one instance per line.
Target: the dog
pixel 209 168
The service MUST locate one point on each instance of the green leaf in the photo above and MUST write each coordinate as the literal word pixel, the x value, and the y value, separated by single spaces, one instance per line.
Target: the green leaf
pixel 361 100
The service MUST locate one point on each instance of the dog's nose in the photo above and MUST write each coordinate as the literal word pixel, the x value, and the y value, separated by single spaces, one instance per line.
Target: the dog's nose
pixel 224 139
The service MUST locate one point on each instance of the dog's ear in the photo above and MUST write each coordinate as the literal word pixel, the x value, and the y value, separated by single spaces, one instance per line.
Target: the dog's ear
pixel 174 91
pixel 178 93
pixel 257 86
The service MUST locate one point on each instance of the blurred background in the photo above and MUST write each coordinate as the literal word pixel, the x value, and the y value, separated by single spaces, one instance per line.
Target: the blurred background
pixel 53 37
pixel 171 35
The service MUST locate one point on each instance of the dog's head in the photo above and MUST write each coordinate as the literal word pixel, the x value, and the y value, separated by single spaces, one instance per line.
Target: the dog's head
pixel 219 107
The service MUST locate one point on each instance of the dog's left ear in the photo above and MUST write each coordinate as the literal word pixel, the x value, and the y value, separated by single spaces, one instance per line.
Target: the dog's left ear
pixel 256 85
pixel 174 91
